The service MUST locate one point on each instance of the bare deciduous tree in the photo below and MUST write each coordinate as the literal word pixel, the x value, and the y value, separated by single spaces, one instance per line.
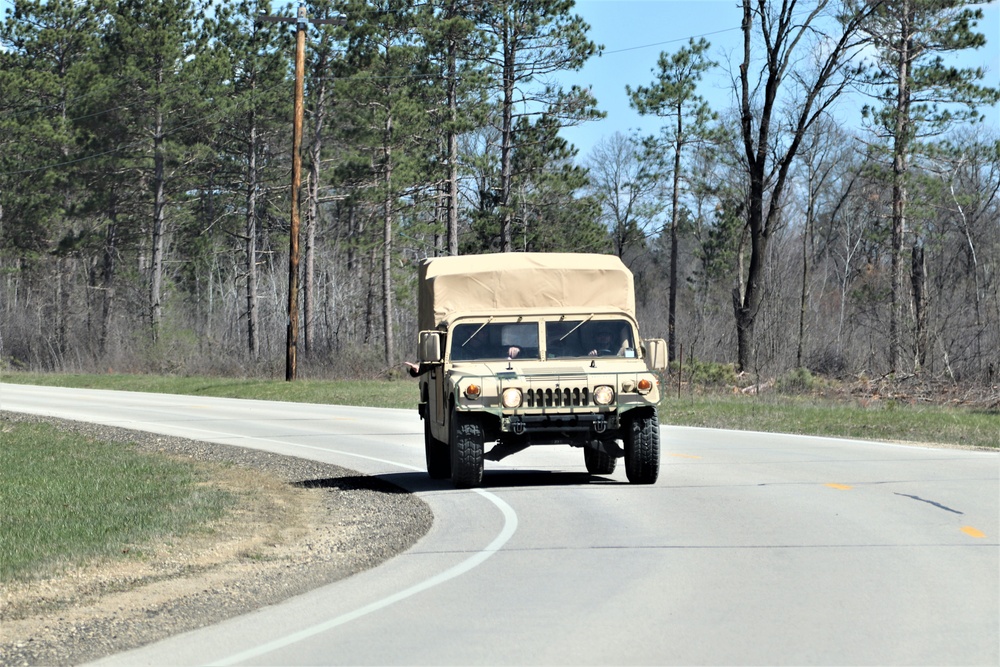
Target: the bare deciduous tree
pixel 782 31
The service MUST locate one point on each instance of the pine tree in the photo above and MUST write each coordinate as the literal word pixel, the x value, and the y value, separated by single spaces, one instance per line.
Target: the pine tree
pixel 257 98
pixel 45 67
pixel 673 96
pixel 149 45
pixel 46 73
pixel 536 39
pixel 552 211
pixel 919 96
pixel 459 53
pixel 385 115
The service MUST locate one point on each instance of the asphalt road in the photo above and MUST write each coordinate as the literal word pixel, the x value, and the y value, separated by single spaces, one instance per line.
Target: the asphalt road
pixel 753 548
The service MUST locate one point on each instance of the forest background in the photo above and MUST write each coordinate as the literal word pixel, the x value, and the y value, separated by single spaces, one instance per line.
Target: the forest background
pixel 146 156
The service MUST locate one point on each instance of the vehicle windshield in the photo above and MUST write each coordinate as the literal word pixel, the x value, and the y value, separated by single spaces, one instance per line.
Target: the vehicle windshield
pixel 582 337
pixel 502 340
pixel 589 338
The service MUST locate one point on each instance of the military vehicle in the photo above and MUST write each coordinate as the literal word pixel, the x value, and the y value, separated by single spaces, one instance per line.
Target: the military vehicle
pixel 525 349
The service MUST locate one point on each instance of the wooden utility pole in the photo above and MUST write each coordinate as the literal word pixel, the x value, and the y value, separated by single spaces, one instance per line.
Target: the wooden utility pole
pixel 301 23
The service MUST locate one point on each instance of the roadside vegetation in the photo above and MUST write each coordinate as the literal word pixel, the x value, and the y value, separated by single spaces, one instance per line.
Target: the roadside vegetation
pixel 708 395
pixel 371 393
pixel 67 499
pixel 888 420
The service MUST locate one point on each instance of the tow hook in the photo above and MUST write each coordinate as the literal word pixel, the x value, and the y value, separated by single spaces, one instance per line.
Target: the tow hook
pixel 517 426
pixel 600 426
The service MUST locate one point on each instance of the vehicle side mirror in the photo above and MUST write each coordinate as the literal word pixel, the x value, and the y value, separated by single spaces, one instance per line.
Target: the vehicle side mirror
pixel 656 353
pixel 430 347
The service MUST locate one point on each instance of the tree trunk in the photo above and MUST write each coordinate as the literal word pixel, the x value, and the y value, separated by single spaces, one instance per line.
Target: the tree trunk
pixel 107 279
pixel 747 304
pixel 918 279
pixel 674 250
pixel 507 142
pixel 370 301
pixel 312 203
pixel 804 295
pixel 387 302
pixel 159 216
pixel 253 345
pixel 61 307
pixel 899 168
pixel 744 325
pixel 753 295
pixel 452 225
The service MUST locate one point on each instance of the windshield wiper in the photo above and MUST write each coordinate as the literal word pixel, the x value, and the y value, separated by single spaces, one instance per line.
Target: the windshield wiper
pixel 477 331
pixel 582 322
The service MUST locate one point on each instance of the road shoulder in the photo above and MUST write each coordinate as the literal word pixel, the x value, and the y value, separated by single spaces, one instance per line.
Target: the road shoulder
pixel 305 524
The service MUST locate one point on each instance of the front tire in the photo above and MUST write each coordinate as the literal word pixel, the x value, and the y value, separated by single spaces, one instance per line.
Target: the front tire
pixel 642 447
pixel 467 443
pixel 437 454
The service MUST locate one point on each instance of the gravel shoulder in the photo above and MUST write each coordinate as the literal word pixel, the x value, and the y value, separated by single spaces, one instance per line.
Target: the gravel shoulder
pixel 298 525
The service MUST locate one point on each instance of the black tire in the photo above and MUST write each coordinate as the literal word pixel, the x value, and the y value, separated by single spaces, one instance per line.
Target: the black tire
pixel 642 447
pixel 437 454
pixel 598 462
pixel 467 441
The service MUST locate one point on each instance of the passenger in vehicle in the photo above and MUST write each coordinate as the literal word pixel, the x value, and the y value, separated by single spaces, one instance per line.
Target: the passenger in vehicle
pixel 417 369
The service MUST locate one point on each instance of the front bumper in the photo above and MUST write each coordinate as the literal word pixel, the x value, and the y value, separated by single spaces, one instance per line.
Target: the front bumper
pixel 597 424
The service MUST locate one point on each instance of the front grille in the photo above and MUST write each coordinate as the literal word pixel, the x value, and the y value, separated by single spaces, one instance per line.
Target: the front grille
pixel 556 398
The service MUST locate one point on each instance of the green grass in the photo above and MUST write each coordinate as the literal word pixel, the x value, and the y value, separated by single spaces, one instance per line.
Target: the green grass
pixel 882 420
pixel 372 393
pixel 66 499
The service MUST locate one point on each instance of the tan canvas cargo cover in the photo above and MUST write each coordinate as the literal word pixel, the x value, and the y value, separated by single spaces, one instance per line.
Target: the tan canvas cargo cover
pixel 522 280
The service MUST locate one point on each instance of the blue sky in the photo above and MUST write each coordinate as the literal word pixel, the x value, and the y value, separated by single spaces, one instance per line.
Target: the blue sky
pixel 635 32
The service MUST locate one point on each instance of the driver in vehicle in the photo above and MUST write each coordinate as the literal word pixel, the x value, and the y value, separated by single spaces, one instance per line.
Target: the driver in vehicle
pixel 605 345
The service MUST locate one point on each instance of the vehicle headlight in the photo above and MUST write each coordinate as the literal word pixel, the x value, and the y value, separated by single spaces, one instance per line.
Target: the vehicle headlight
pixel 473 391
pixel 644 386
pixel 512 398
pixel 604 395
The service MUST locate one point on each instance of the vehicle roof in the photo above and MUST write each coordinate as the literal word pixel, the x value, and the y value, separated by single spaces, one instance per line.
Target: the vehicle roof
pixel 506 283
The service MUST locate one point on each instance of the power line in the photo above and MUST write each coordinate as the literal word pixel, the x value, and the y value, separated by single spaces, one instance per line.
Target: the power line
pixel 670 41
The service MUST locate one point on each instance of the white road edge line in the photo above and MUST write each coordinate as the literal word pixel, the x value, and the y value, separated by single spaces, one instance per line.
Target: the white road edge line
pixel 510 526
pixel 508 530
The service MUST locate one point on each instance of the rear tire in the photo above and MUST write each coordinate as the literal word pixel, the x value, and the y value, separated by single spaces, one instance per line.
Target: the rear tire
pixel 598 462
pixel 467 441
pixel 642 447
pixel 437 454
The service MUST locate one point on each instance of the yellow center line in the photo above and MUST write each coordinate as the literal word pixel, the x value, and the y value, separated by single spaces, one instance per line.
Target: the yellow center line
pixel 840 487
pixel 973 532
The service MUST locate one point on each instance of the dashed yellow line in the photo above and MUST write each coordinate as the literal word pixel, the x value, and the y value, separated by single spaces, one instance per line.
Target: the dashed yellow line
pixel 839 487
